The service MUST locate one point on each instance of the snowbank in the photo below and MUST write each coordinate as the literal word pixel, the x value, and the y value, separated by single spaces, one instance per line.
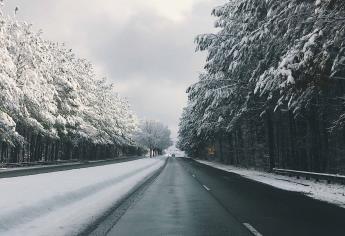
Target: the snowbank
pixel 66 202
pixel 332 193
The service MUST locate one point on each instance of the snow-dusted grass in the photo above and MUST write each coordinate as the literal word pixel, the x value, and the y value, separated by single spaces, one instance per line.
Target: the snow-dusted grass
pixel 66 202
pixel 332 193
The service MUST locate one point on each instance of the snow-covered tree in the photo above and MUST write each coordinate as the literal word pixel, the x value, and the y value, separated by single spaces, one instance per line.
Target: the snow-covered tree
pixel 272 68
pixel 154 136
pixel 52 105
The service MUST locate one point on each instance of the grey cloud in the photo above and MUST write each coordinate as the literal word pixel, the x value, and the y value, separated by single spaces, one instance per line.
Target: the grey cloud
pixel 147 45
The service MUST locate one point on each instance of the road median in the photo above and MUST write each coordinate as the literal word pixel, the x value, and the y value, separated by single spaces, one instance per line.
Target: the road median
pixel 34 170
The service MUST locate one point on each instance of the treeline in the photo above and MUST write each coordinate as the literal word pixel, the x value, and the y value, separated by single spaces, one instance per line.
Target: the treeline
pixel 272 94
pixel 53 106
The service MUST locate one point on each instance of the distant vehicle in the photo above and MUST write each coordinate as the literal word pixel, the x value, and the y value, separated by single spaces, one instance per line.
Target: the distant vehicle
pixel 173 155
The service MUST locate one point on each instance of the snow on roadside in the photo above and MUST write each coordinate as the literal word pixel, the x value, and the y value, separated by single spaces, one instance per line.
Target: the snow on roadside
pixel 66 202
pixel 331 193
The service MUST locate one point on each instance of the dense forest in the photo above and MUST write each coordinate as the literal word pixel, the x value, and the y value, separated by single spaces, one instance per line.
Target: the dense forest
pixel 273 90
pixel 53 106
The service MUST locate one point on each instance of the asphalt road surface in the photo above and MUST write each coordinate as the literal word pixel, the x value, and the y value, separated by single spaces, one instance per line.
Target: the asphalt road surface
pixel 189 198
pixel 177 204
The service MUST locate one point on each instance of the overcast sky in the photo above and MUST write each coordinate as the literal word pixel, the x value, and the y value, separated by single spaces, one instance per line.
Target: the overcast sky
pixel 146 47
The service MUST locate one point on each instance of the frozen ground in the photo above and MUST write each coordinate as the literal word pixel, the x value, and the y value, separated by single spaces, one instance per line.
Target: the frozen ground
pixel 332 193
pixel 66 202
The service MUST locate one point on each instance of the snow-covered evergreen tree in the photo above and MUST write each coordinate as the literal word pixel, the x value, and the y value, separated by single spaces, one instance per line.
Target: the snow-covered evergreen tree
pixel 52 105
pixel 272 68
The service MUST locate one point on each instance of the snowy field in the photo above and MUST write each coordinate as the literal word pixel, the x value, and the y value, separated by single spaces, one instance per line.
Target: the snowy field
pixel 332 193
pixel 66 202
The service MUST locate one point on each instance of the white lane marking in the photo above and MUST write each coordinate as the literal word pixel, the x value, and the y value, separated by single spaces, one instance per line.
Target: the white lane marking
pixel 252 229
pixel 208 189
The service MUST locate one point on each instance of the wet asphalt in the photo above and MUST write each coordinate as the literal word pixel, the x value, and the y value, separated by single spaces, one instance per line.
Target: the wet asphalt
pixel 189 198
pixel 177 204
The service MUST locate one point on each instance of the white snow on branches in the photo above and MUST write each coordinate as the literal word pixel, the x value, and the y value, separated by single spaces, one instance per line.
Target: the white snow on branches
pixel 45 88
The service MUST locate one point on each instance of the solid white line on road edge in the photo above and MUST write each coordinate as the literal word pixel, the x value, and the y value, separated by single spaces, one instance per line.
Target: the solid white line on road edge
pixel 208 189
pixel 252 229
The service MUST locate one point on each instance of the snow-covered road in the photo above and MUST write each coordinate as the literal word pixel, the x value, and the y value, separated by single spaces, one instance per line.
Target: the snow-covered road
pixel 65 203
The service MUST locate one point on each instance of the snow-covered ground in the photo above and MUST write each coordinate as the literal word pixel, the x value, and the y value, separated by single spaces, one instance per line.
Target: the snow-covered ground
pixel 66 202
pixel 332 193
